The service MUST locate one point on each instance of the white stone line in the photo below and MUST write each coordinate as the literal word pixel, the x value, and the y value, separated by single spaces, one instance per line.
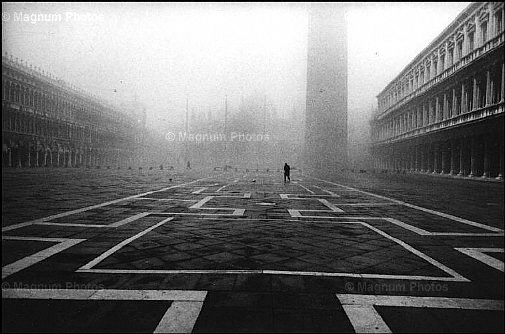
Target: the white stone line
pixel 199 204
pixel 297 214
pixel 406 226
pixel 332 206
pixel 280 220
pixel 226 185
pixel 129 219
pixel 15 226
pixel 7 237
pixel 310 191
pixel 327 191
pixel 68 213
pixel 180 317
pixel 72 225
pixel 431 302
pixel 437 213
pixel 478 254
pixel 180 295
pixel 365 319
pixel 462 234
pixel 168 271
pixel 246 195
pixel 236 212
pixel 114 249
pixel 39 256
pixel 421 231
pixel 265 272
pixel 166 199
pixel 354 275
pixel 202 202
pixel 105 294
pixel 113 225
pixel 305 196
pixel 200 190
pixel 418 253
pixel 366 204
pixel 74 294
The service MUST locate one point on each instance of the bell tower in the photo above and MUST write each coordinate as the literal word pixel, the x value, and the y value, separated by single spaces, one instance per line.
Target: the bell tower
pixel 326 103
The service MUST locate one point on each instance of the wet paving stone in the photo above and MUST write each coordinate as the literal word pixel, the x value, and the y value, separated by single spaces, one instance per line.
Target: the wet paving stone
pixel 271 257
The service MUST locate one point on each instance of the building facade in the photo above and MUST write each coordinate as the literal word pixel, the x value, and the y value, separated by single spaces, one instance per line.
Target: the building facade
pixel 46 122
pixel 443 114
pixel 326 103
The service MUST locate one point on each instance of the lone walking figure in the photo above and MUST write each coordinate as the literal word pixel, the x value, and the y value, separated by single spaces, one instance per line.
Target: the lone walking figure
pixel 286 172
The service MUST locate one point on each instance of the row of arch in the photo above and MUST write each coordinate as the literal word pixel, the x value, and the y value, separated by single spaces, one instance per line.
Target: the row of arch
pixel 35 154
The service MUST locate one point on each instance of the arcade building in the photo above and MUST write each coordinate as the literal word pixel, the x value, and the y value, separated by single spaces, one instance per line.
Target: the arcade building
pixel 48 123
pixel 443 114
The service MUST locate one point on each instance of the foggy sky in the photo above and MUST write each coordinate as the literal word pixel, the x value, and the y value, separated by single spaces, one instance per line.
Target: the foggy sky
pixel 162 54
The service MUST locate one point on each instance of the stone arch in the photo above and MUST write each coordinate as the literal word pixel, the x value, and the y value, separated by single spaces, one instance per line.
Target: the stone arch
pixel 40 155
pixel 6 155
pixel 53 160
pixel 16 149
pixel 47 156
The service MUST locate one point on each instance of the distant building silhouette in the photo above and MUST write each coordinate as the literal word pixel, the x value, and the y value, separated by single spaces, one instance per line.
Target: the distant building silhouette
pixel 48 122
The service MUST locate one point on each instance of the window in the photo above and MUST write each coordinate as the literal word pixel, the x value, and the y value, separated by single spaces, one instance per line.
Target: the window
pixel 442 63
pixel 460 48
pixel 471 41
pixel 450 57
pixel 483 28
pixel 498 19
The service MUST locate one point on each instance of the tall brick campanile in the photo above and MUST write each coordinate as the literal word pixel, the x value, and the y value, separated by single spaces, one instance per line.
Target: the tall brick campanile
pixel 326 109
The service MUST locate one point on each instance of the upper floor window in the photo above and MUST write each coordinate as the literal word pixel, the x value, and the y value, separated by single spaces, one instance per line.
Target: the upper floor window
pixel 498 19
pixel 460 48
pixel 483 28
pixel 442 63
pixel 471 41
pixel 450 57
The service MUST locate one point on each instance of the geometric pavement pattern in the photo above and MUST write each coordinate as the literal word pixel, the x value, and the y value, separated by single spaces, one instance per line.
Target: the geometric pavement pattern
pixel 208 248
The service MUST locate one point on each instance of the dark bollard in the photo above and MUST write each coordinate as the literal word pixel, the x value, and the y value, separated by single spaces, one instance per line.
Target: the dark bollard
pixel 170 180
pixel 129 168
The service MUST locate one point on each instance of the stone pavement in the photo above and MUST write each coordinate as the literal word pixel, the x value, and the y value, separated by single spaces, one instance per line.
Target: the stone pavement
pixel 243 252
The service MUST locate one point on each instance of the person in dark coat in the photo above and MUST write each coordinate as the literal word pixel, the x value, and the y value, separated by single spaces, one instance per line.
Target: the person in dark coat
pixel 286 172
